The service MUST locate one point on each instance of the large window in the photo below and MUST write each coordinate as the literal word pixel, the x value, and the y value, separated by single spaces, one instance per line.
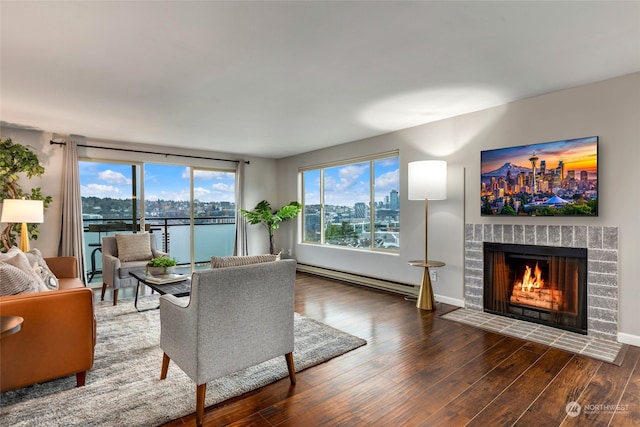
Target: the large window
pixel 353 204
pixel 190 210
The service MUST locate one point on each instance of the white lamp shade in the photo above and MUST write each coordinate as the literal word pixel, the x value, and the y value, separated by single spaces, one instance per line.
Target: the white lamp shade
pixel 22 210
pixel 427 180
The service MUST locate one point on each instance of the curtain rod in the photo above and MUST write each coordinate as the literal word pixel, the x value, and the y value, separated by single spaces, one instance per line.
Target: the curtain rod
pixel 52 142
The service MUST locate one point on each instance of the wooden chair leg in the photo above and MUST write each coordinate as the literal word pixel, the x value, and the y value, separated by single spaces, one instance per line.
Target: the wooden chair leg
pixel 165 366
pixel 201 391
pixel 115 296
pixel 291 367
pixel 104 288
pixel 81 378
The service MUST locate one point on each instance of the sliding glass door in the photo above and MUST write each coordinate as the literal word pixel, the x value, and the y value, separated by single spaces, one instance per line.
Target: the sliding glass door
pixel 214 214
pixel 190 210
pixel 110 204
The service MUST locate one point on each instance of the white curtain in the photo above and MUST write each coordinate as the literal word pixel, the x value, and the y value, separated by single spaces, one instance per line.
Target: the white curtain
pixel 71 233
pixel 240 247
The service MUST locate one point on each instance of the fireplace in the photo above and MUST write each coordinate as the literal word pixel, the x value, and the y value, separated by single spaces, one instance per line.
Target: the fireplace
pixel 541 284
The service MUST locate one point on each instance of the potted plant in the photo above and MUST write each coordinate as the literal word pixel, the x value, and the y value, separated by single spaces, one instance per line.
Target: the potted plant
pixel 161 265
pixel 262 214
pixel 16 159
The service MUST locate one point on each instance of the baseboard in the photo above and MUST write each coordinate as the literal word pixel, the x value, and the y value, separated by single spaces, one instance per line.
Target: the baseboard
pixel 448 300
pixel 359 279
pixel 629 339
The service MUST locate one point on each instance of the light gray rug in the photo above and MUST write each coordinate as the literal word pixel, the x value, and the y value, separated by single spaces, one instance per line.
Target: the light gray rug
pixel 124 389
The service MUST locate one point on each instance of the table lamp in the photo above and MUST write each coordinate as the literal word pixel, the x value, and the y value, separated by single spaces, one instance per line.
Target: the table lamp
pixel 22 211
pixel 427 180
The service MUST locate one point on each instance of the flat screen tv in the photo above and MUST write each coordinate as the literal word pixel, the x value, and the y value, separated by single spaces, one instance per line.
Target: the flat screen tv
pixel 546 179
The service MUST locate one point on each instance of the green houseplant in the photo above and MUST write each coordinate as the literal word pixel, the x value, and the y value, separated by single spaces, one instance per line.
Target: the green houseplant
pixel 271 219
pixel 161 265
pixel 16 159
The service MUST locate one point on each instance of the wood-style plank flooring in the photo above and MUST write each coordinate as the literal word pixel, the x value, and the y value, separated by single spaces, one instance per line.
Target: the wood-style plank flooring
pixel 418 369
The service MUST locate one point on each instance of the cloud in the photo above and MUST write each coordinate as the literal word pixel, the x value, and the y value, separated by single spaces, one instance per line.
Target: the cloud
pixel 208 174
pixel 386 182
pixel 200 193
pixel 102 191
pixel 113 177
pixel 223 187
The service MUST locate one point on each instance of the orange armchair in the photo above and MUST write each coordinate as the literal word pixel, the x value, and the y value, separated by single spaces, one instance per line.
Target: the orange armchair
pixel 57 337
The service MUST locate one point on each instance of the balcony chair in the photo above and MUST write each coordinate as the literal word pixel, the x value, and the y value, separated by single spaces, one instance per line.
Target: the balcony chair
pixel 235 318
pixel 123 253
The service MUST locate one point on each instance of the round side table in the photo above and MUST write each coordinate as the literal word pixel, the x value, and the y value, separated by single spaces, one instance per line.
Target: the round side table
pixel 10 325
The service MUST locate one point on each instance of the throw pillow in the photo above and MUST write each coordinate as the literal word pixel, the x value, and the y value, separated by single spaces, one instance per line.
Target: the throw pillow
pixel 134 247
pixel 235 261
pixel 14 281
pixel 17 258
pixel 41 268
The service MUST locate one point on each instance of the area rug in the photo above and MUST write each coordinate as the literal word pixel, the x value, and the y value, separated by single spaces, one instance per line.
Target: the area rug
pixel 611 352
pixel 123 387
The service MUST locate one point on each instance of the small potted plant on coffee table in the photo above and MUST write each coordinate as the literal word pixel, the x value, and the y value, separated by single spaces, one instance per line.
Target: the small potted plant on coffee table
pixel 161 265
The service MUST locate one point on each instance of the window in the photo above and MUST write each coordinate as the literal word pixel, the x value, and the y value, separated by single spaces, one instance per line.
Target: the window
pixel 353 204
pixel 191 210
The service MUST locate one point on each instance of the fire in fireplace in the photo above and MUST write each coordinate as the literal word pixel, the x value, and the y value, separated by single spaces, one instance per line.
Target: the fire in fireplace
pixel 540 284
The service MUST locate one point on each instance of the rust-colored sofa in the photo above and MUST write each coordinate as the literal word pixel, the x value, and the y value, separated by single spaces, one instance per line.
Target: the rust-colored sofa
pixel 58 334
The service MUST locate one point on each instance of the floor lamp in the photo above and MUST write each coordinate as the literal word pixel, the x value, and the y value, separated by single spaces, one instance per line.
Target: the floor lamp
pixel 22 211
pixel 427 180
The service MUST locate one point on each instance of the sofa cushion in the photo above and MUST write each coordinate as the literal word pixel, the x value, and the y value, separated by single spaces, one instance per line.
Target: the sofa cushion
pixel 14 281
pixel 134 247
pixel 18 259
pixel 40 266
pixel 235 261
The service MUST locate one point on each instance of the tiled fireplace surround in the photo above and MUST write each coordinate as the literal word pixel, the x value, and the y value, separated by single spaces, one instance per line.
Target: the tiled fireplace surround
pixel 602 269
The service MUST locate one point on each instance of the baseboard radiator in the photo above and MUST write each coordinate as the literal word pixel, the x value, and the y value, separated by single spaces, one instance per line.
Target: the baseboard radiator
pixel 386 285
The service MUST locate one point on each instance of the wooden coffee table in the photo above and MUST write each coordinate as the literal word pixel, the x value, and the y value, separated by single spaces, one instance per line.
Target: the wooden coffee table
pixel 179 289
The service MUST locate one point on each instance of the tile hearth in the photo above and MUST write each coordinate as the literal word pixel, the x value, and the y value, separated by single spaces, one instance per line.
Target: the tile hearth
pixel 607 351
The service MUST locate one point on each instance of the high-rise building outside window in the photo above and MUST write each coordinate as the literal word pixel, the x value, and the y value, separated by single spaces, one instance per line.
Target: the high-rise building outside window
pixel 353 204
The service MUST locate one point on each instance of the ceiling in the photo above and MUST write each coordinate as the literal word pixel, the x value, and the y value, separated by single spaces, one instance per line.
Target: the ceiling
pixel 275 79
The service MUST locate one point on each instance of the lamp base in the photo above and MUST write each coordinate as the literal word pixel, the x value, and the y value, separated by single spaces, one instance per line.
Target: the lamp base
pixel 426 299
pixel 24 238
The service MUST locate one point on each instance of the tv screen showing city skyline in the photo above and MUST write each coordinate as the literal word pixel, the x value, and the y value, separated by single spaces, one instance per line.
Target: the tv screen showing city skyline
pixel 556 178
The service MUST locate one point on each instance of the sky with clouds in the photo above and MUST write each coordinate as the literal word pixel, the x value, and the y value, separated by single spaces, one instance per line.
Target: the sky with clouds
pixel 349 184
pixel 161 182
pixel 344 185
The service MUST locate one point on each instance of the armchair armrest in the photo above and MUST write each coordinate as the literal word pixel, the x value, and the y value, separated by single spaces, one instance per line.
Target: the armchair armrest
pixel 156 253
pixel 178 329
pixel 110 265
pixel 65 267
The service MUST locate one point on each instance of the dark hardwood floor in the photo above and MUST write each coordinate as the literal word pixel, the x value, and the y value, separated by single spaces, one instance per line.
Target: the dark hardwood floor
pixel 418 369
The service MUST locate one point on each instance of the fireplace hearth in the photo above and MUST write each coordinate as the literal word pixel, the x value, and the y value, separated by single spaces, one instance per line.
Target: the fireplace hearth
pixel 602 266
pixel 540 284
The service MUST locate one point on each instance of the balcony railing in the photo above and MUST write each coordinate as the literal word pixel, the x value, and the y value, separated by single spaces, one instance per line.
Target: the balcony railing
pixel 212 236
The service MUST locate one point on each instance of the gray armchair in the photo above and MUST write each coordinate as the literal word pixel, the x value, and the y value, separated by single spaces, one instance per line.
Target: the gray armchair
pixel 235 318
pixel 116 266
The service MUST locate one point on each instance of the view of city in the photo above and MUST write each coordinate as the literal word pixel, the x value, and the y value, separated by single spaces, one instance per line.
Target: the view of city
pixel 96 209
pixel 559 178
pixel 347 216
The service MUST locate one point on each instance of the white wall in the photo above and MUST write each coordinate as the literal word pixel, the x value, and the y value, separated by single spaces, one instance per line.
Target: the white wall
pixel 259 176
pixel 609 109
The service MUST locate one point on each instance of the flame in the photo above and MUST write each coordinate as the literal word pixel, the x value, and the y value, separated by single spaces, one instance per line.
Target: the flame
pixel 530 281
